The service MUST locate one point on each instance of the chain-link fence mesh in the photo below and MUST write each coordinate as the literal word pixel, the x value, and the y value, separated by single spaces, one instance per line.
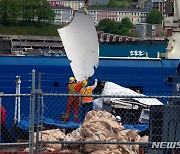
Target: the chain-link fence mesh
pixel 14 109
pixel 114 122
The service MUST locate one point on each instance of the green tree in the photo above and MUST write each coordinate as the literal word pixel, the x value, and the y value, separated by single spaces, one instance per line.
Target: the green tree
pixel 44 11
pixel 9 11
pixel 29 10
pixel 25 10
pixel 112 4
pixel 106 25
pixel 154 17
pixel 124 27
pixel 113 27
pixel 126 22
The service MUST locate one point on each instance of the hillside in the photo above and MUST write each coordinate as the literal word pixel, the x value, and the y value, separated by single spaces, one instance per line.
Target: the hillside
pixel 48 29
pixel 34 29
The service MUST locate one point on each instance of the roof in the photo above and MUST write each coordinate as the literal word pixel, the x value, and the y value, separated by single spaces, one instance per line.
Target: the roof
pixel 118 9
pixel 157 1
pixel 61 7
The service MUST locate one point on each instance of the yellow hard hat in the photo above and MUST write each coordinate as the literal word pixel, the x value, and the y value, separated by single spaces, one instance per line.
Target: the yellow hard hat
pixel 71 79
pixel 84 83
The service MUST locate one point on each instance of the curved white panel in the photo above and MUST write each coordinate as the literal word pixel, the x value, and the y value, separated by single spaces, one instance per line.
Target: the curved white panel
pixel 81 45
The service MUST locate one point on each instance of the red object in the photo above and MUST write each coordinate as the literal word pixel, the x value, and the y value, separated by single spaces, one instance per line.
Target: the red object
pixel 3 115
pixel 73 102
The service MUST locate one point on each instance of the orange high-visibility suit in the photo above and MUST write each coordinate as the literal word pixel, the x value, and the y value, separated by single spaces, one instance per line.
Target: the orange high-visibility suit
pixel 73 101
pixel 87 101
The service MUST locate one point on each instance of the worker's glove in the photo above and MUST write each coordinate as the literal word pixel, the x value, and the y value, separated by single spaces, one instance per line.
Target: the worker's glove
pixel 96 80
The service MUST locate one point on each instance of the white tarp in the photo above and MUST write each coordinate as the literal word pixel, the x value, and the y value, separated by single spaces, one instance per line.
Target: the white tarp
pixel 111 88
pixel 115 89
pixel 80 41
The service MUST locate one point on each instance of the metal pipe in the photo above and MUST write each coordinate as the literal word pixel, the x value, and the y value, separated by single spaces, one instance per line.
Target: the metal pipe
pixel 38 113
pixel 32 105
pixel 17 102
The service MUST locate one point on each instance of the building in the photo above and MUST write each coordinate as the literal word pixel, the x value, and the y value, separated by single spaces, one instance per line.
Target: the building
pixel 148 5
pixel 16 44
pixel 150 31
pixel 160 6
pixel 98 2
pixel 145 4
pixel 141 4
pixel 5 46
pixel 135 15
pixel 62 14
pixel 74 4
pixel 55 3
pixel 169 7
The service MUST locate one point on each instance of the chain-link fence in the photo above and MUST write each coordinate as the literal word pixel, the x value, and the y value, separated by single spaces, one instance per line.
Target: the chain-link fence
pixel 116 120
pixel 118 123
pixel 13 110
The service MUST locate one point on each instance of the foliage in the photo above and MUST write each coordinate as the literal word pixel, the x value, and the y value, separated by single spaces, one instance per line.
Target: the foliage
pixel 154 17
pixel 113 27
pixel 13 11
pixel 106 25
pixel 9 11
pixel 119 3
pixel 27 28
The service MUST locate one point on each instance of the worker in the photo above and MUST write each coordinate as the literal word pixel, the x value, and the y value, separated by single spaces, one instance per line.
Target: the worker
pixel 6 134
pixel 73 101
pixel 100 87
pixel 87 101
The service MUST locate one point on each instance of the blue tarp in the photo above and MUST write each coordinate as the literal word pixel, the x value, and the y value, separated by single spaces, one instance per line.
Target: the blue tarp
pixel 24 125
pixel 139 127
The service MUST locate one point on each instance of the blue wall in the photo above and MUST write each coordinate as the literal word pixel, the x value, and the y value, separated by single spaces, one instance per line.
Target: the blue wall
pixel 117 50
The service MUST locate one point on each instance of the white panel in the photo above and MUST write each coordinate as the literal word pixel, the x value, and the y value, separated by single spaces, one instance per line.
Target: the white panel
pixel 81 45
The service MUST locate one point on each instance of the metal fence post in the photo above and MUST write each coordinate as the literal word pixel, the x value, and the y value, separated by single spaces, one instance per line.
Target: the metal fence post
pixel 32 108
pixel 38 113
pixel 17 102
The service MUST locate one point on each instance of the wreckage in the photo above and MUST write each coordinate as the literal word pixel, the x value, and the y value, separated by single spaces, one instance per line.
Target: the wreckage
pixel 82 48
